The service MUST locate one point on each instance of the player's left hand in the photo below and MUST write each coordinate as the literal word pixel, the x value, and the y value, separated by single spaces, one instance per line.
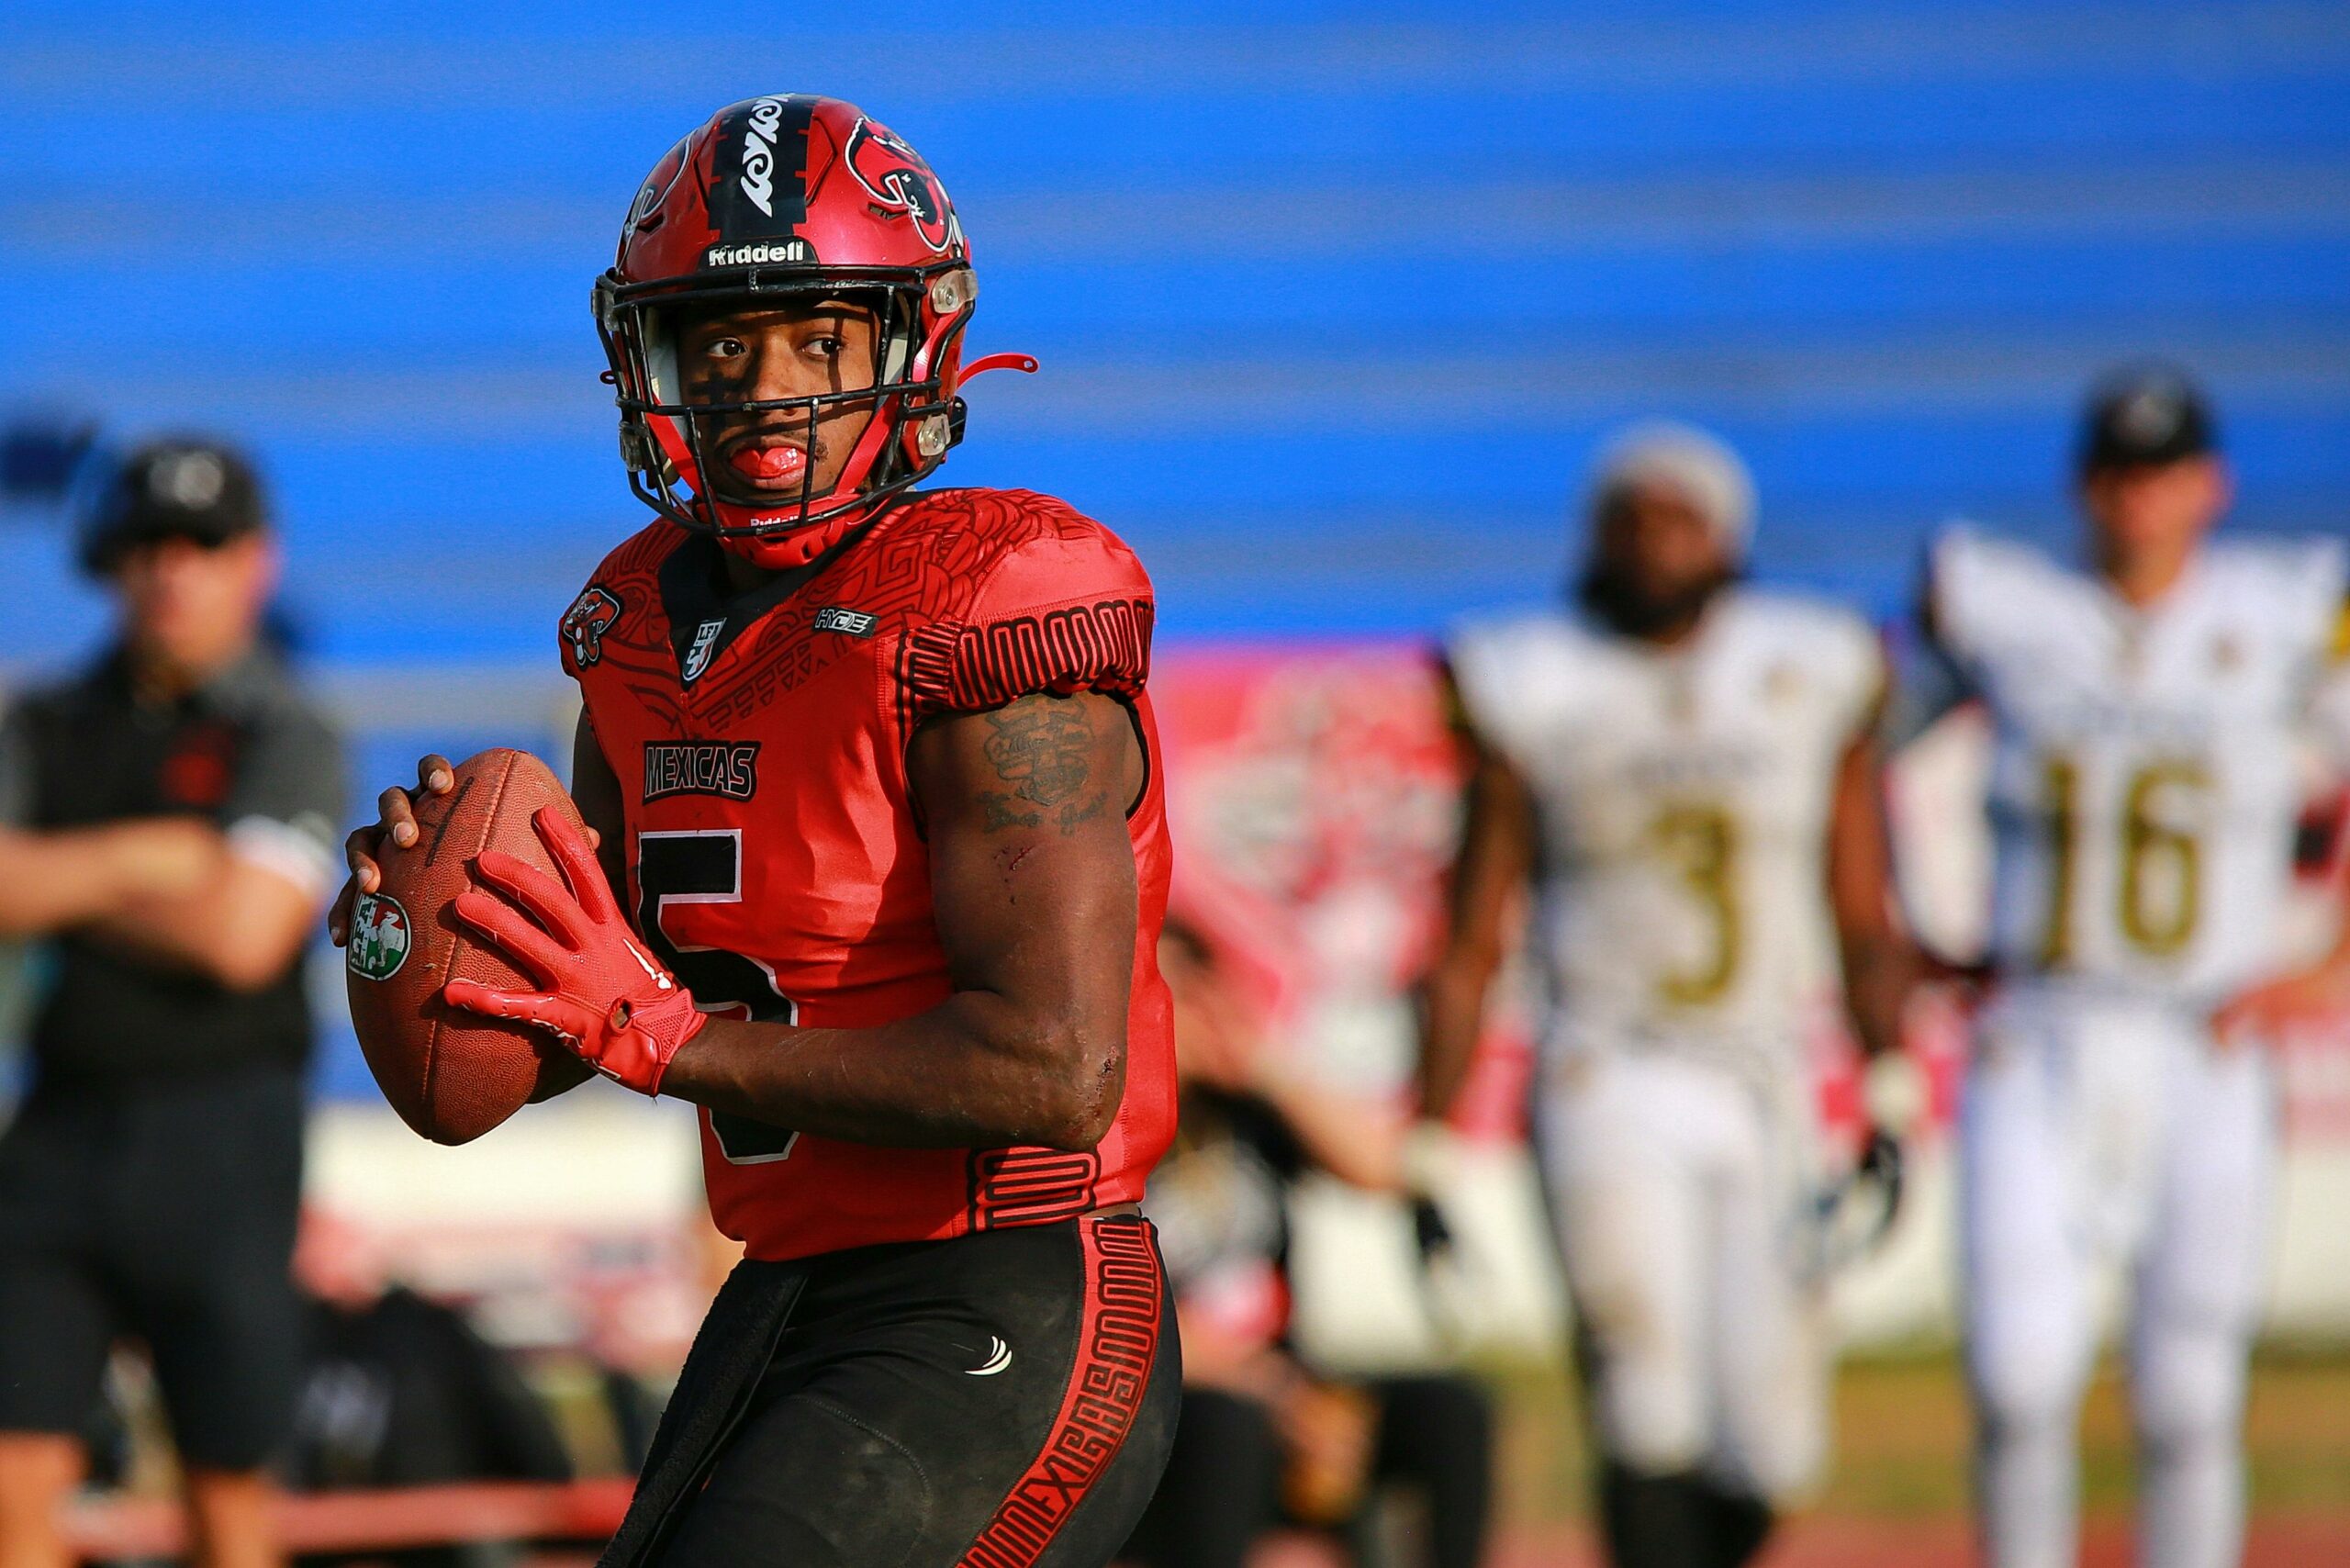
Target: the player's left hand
pixel 607 1000
pixel 2260 1012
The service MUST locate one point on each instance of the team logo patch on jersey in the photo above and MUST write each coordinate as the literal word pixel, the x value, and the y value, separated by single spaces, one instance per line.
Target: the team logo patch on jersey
pixel 726 769
pixel 849 622
pixel 379 937
pixel 705 642
pixel 584 624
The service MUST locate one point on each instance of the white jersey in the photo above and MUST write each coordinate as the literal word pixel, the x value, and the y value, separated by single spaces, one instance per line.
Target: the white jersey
pixel 2144 779
pixel 1683 798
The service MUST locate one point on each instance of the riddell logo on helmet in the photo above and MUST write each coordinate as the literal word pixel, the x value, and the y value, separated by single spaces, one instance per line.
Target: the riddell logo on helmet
pixel 797 251
pixel 759 153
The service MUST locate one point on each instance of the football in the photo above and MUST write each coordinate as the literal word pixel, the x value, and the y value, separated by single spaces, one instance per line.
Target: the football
pixel 450 1074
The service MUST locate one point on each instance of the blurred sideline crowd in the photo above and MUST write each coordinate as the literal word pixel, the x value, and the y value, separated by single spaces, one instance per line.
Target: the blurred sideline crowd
pixel 169 824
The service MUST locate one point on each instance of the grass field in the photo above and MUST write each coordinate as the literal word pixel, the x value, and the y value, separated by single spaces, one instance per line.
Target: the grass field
pixel 1898 1496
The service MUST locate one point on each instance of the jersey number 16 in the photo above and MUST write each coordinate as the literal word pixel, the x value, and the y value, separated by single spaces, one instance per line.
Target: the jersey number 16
pixel 2161 863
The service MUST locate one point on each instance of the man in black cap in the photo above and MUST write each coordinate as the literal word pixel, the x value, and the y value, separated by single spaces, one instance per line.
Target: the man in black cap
pixel 2146 714
pixel 167 823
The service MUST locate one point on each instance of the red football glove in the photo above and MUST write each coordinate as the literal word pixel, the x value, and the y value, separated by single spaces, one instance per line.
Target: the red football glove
pixel 607 1000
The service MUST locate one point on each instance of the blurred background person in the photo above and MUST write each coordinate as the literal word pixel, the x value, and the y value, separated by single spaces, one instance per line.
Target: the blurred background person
pixel 1265 1439
pixel 1685 770
pixel 398 1390
pixel 2146 704
pixel 170 818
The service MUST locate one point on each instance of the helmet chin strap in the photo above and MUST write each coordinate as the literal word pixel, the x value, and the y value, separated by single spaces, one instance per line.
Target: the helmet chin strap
pixel 781 552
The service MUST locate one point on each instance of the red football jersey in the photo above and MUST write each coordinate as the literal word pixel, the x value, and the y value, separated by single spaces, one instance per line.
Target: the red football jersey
pixel 774 857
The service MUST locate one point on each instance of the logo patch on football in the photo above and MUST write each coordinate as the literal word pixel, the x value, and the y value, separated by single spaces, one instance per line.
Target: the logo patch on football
pixel 379 937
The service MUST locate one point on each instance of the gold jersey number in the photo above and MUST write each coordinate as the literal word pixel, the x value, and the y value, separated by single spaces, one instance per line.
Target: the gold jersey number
pixel 1700 844
pixel 2160 892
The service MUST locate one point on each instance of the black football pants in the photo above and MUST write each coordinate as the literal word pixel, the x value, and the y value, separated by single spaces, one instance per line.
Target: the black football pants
pixel 1005 1400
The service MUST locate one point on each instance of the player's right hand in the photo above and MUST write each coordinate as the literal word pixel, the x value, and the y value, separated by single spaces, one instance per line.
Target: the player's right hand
pixel 394 827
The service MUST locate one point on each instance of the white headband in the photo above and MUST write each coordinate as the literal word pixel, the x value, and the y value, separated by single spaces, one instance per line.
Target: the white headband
pixel 1687 459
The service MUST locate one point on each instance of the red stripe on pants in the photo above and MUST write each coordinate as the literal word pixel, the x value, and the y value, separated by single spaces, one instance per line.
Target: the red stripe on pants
pixel 1117 1345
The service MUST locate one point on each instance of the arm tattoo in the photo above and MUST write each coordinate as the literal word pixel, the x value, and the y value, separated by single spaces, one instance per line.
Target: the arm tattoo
pixel 1042 748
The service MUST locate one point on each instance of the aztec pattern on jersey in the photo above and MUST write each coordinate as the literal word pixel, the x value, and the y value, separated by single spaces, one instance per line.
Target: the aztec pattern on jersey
pixel 922 564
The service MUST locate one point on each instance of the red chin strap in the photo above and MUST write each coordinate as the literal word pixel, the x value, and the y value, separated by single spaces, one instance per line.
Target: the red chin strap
pixel 781 552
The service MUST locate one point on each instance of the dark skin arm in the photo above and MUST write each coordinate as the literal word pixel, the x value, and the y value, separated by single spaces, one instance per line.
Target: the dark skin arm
pixel 1881 965
pixel 1495 857
pixel 1033 883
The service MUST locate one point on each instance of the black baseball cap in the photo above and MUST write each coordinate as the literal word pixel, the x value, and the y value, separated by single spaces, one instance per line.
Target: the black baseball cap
pixel 2142 416
pixel 175 488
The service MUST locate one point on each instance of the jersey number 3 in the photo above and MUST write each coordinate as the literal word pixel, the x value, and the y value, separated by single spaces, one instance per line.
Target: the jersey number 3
pixel 1700 843
pixel 697 867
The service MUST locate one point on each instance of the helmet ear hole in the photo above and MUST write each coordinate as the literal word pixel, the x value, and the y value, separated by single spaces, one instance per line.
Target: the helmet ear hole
pixel 660 339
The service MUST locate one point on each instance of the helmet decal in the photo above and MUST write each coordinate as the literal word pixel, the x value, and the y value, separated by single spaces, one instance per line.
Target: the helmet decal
pixel 647 213
pixel 759 153
pixel 897 179
pixel 758 187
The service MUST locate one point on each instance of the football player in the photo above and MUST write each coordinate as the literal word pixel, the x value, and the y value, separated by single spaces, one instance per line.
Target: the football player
pixel 877 868
pixel 2143 795
pixel 1684 768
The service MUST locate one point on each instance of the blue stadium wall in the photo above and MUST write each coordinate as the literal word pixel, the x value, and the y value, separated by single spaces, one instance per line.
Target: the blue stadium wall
pixel 1332 310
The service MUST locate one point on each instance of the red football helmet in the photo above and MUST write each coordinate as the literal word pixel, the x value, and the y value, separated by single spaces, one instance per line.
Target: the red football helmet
pixel 782 196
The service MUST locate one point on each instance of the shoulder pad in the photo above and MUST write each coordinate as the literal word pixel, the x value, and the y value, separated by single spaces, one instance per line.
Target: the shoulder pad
pixel 1063 606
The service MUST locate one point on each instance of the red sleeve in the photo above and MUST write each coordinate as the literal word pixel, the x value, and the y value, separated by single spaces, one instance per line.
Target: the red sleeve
pixel 1065 612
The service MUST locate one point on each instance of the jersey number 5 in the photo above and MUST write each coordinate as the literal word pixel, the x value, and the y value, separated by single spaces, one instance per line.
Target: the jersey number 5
pixel 706 867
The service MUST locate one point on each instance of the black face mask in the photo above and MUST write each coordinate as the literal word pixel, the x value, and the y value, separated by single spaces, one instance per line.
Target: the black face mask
pixel 1636 614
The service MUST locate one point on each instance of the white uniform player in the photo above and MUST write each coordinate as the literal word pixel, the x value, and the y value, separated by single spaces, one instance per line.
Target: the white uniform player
pixel 2142 797
pixel 1680 774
